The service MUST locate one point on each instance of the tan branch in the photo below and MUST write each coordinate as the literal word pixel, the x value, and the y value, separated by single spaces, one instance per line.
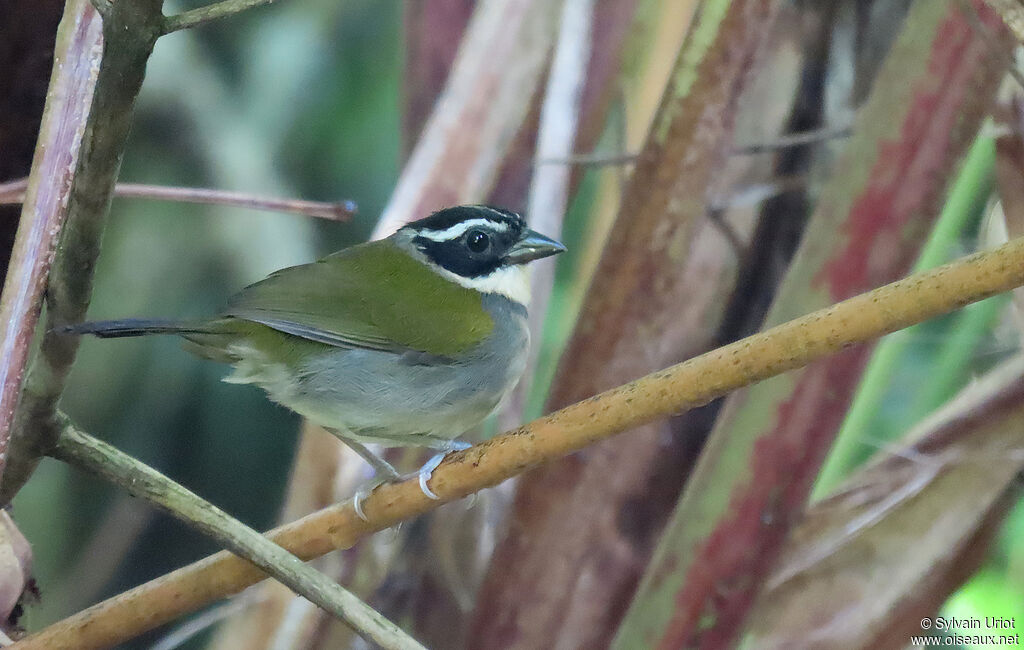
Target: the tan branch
pixel 672 390
pixel 97 457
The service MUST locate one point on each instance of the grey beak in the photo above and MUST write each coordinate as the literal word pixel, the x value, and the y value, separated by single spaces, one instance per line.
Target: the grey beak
pixel 533 246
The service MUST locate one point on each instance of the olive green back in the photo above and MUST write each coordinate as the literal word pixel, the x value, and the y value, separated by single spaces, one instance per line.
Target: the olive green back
pixel 372 296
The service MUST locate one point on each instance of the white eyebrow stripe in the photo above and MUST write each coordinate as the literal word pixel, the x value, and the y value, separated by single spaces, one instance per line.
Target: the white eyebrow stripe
pixel 500 214
pixel 459 229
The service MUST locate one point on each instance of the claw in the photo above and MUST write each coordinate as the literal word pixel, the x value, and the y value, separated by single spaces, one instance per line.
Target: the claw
pixel 426 471
pixel 364 491
pixel 428 468
pixel 357 502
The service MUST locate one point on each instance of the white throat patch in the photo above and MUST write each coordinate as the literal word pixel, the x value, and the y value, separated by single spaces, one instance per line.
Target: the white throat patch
pixel 456 231
pixel 513 282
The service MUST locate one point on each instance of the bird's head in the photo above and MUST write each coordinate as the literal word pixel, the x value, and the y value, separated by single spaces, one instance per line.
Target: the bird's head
pixel 479 247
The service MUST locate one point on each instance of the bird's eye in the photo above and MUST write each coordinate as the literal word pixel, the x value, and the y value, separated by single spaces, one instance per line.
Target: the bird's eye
pixel 477 241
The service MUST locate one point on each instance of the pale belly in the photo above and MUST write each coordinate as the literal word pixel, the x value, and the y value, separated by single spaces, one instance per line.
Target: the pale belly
pixel 380 398
pixel 400 400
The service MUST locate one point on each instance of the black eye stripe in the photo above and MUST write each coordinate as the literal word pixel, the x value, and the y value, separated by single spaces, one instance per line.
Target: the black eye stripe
pixel 459 256
pixel 455 257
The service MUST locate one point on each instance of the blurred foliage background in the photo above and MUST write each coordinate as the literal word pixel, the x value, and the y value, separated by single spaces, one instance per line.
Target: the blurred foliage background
pixel 303 99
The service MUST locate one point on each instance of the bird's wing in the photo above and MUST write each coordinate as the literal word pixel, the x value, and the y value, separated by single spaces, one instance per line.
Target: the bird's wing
pixel 372 296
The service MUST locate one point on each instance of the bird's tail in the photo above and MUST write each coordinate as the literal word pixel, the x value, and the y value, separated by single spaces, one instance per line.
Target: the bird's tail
pixel 112 329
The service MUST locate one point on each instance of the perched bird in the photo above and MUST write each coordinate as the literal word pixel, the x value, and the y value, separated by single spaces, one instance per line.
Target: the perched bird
pixel 405 341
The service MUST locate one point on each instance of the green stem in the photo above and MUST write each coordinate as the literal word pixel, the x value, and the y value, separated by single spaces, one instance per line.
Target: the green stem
pixel 81 450
pixel 209 13
pixel 969 191
pixel 952 361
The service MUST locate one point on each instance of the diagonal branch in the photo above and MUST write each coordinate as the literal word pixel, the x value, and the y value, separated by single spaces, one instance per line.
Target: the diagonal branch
pixel 767 445
pixel 673 390
pixel 209 13
pixel 97 457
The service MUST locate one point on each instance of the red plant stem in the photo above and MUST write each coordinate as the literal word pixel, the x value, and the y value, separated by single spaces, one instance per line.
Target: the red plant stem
pixel 76 62
pixel 630 324
pixel 755 473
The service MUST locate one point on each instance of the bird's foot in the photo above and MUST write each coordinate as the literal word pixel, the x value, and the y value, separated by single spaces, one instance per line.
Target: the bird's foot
pixel 423 475
pixel 428 468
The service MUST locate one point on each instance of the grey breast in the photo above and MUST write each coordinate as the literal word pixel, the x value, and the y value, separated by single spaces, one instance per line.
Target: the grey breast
pixel 406 399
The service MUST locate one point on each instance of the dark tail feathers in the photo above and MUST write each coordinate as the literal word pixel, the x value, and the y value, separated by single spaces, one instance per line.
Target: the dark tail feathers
pixel 112 329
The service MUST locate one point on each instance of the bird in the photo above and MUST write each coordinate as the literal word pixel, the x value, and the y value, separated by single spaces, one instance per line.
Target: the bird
pixel 406 341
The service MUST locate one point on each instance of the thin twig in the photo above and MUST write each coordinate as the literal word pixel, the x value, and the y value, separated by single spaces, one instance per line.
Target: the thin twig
pixel 788 140
pixel 97 457
pixel 717 219
pixel 335 211
pixel 596 159
pixel 750 195
pixel 667 392
pixel 209 13
pixel 14 192
pixel 63 128
pixel 181 634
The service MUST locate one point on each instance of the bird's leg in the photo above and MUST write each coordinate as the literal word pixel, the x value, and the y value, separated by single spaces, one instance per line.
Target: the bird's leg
pixel 382 468
pixel 384 472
